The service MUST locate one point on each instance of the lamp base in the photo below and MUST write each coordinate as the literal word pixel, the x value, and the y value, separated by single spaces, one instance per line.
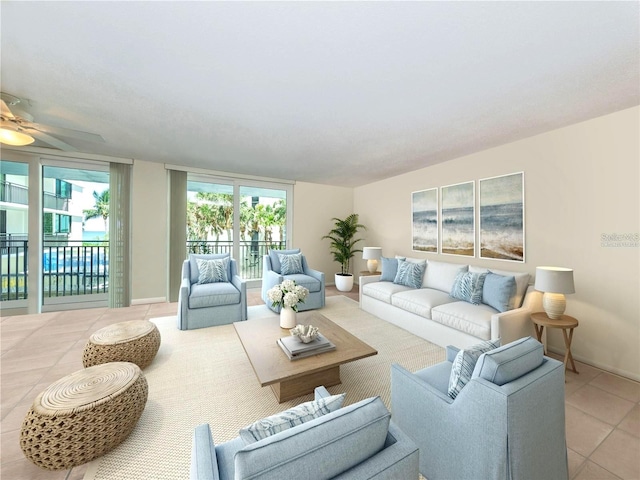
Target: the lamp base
pixel 554 304
pixel 372 265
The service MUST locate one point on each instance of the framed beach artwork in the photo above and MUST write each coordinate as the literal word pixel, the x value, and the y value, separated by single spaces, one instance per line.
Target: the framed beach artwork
pixel 458 219
pixel 502 217
pixel 424 220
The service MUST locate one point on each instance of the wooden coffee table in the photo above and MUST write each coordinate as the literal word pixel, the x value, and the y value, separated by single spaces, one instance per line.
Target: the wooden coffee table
pixel 292 378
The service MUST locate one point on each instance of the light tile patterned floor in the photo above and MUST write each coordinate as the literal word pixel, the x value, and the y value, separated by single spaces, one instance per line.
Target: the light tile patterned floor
pixel 602 409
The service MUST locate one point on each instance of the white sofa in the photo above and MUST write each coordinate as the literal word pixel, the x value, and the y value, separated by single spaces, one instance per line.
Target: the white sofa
pixel 431 313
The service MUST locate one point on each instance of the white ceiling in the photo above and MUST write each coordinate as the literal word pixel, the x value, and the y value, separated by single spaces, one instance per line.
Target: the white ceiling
pixel 342 93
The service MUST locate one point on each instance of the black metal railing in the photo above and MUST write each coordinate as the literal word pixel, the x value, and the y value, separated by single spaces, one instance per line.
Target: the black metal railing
pixel 68 268
pixel 251 252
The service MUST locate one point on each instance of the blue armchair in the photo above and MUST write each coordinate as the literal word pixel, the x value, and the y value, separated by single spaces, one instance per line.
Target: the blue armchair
pixel 507 422
pixel 205 302
pixel 356 442
pixel 272 275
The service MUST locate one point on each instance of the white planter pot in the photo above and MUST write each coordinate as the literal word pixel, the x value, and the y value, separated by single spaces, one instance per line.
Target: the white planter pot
pixel 344 283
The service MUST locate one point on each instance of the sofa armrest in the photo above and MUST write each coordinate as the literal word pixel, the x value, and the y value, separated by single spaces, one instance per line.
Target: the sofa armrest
pixel 204 463
pixel 398 459
pixel 514 324
pixel 363 280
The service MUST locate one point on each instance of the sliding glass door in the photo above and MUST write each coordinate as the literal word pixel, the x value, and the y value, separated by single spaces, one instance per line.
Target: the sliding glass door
pixel 243 218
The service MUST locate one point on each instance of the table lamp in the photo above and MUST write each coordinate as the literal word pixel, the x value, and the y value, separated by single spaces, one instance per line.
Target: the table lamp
pixel 372 255
pixel 554 282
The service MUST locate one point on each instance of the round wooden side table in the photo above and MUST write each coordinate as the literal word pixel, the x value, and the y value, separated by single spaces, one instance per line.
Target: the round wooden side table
pixel 565 322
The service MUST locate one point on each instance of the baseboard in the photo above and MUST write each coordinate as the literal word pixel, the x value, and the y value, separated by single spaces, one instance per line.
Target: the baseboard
pixel 601 366
pixel 146 301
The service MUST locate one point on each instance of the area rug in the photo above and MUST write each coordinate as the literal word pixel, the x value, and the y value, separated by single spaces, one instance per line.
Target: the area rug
pixel 204 376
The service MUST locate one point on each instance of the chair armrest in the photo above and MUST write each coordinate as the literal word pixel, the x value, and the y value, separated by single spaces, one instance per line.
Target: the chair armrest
pixel 317 274
pixel 412 383
pixel 321 392
pixel 204 463
pixel 241 285
pixel 451 353
pixel 183 303
pixel 398 459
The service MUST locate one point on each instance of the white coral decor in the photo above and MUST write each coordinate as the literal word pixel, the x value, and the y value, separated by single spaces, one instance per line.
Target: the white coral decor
pixel 287 294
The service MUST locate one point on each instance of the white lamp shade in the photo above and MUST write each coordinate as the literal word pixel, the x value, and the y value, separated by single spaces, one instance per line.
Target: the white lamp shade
pixel 554 280
pixel 372 253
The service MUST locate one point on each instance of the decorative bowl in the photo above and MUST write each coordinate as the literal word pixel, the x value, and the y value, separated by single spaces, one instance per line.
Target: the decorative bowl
pixel 304 333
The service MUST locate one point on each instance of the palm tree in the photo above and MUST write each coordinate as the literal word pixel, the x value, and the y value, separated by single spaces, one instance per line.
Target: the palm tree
pixel 100 208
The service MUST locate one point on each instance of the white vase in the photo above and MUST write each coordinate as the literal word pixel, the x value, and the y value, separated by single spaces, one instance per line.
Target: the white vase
pixel 287 317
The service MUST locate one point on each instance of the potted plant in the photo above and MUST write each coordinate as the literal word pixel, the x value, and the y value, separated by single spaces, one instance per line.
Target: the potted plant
pixel 343 248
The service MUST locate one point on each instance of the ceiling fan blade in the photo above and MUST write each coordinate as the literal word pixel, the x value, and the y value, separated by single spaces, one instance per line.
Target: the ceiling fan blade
pixel 6 111
pixel 50 140
pixel 66 132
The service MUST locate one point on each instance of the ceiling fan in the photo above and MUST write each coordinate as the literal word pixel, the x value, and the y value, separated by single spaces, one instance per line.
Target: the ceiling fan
pixel 17 127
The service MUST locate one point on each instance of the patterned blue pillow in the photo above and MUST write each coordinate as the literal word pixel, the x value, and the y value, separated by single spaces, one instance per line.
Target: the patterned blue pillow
pixel 465 362
pixel 468 287
pixel 290 264
pixel 212 271
pixel 410 273
pixel 290 418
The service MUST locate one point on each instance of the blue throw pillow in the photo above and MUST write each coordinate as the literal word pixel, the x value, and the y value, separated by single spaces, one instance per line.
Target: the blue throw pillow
pixel 468 287
pixel 389 269
pixel 464 363
pixel 291 264
pixel 410 273
pixel 498 290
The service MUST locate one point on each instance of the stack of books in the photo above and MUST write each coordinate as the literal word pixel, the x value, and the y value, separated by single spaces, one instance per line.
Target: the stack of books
pixel 295 349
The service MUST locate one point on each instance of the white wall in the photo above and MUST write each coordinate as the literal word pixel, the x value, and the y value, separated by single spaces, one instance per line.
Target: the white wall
pixel 313 208
pixel 149 231
pixel 581 182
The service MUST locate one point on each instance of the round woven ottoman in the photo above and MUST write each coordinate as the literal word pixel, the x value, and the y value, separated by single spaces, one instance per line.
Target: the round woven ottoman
pixel 83 415
pixel 135 341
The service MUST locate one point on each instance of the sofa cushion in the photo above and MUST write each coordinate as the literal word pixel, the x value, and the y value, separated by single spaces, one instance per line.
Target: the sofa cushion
pixel 499 291
pixel 522 282
pixel 441 275
pixel 213 295
pixel 383 291
pixel 290 418
pixel 510 362
pixel 310 283
pixel 275 261
pixel 464 365
pixel 468 287
pixel 410 274
pixel 291 264
pixel 331 444
pixel 213 270
pixel 194 273
pixel 389 269
pixel 420 301
pixel 465 317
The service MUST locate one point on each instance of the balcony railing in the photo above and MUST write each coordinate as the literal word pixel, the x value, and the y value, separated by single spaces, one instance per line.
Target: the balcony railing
pixel 12 193
pixel 73 268
pixel 55 202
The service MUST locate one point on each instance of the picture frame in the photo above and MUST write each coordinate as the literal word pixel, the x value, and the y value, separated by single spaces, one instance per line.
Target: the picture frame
pixel 458 219
pixel 424 220
pixel 502 217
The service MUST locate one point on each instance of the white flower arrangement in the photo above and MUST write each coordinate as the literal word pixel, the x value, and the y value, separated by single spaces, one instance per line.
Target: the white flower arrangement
pixel 287 294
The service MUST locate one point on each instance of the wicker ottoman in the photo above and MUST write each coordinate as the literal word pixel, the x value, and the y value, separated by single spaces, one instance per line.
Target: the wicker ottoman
pixel 84 415
pixel 135 341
